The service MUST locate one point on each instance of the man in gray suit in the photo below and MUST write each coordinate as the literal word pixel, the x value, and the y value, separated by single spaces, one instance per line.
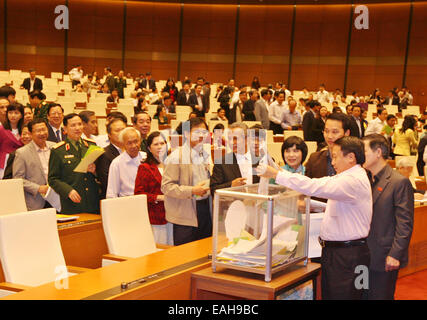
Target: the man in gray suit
pixel 392 220
pixel 31 164
pixel 261 109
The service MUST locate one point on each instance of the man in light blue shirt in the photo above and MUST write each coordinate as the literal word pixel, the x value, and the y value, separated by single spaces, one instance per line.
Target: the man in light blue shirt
pixel 290 117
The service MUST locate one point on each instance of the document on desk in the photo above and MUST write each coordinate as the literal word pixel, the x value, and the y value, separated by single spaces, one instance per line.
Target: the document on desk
pixel 65 218
pixel 53 198
pixel 93 153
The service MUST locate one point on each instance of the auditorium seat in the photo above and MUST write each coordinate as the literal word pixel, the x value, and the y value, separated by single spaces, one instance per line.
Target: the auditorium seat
pixel 127 228
pixel 56 75
pixel 213 123
pixel 392 109
pixel 290 133
pixel 30 250
pixel 12 197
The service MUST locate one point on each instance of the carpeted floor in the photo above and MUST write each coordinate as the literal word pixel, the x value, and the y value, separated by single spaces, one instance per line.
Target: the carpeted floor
pixel 412 287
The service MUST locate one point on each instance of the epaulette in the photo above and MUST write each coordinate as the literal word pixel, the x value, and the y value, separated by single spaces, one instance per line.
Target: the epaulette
pixel 90 140
pixel 56 146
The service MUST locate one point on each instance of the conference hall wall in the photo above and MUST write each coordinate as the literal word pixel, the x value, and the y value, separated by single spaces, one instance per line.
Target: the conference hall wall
pixel 302 45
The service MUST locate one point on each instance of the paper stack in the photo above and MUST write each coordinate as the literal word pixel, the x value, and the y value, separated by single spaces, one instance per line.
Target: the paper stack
pixel 246 250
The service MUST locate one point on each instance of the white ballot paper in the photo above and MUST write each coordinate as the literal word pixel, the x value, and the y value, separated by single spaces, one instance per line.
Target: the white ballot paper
pixel 314 248
pixel 263 182
pixel 53 198
pixel 91 155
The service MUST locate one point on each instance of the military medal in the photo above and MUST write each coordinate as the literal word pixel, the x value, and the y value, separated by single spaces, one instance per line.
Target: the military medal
pixel 67 147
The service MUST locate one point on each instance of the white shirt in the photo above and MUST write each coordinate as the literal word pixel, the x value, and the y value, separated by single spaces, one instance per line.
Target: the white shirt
pixel 245 165
pixel 122 175
pixel 55 130
pixel 102 140
pixel 75 74
pixel 323 96
pixel 375 126
pixel 349 208
pixel 44 155
pixel 32 84
pixel 275 112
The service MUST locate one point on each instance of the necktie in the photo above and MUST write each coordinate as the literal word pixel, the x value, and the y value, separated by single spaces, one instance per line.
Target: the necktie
pixel 58 137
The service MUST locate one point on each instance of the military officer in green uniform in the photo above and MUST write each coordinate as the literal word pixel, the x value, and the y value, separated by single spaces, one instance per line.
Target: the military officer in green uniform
pixel 38 105
pixel 109 79
pixel 120 84
pixel 79 192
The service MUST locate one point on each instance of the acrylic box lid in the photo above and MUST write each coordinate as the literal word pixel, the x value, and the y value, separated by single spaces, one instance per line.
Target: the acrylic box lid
pixel 258 191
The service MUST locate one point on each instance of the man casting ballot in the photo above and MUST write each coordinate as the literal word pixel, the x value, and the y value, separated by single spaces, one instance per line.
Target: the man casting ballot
pixel 347 218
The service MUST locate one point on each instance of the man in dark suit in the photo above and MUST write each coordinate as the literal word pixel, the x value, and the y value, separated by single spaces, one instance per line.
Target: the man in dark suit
pixel 184 95
pixel 32 83
pixel 308 120
pixel 357 129
pixel 392 219
pixel 319 164
pixel 55 116
pixel 113 150
pixel 237 168
pixel 420 161
pixel 392 97
pixel 148 84
pixel 198 102
pixel 236 111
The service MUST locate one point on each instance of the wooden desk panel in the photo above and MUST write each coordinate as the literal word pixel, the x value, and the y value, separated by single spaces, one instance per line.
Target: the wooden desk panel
pixel 233 284
pixel 418 244
pixel 96 282
pixel 84 244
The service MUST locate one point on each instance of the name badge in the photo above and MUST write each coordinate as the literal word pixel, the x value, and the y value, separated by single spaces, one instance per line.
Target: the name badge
pixel 67 156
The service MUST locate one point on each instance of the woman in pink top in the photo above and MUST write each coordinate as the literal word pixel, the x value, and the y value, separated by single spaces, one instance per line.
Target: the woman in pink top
pixel 10 132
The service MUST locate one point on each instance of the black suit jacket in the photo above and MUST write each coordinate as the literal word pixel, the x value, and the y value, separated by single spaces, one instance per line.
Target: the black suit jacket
pixel 192 101
pixel 223 174
pixel 354 128
pixel 308 125
pixel 52 134
pixel 232 113
pixel 38 84
pixel 317 130
pixel 395 100
pixel 182 99
pixel 420 161
pixel 152 84
pixel 392 219
pixel 103 166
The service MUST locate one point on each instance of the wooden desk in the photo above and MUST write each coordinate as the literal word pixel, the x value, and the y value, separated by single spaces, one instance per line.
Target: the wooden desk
pixel 228 284
pixel 104 283
pixel 418 244
pixel 83 242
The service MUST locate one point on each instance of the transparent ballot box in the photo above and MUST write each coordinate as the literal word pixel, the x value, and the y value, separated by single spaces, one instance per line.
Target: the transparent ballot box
pixel 260 231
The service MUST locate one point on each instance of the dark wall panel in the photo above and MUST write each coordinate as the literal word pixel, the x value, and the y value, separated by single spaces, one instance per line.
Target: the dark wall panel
pixel 152 39
pixel 95 35
pixel 264 43
pixel 2 66
pixel 33 40
pixel 208 42
pixel 416 76
pixel 377 55
pixel 320 45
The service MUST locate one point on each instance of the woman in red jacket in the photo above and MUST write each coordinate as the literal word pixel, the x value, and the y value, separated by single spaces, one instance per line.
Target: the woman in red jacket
pixel 148 181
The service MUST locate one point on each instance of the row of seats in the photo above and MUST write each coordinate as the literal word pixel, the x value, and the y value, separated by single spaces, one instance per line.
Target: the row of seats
pixel 30 249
